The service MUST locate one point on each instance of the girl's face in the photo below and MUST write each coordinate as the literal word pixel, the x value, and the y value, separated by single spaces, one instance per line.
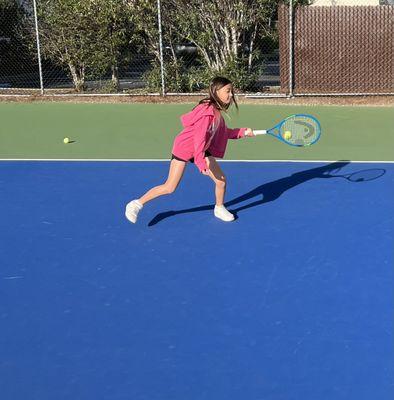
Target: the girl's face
pixel 225 94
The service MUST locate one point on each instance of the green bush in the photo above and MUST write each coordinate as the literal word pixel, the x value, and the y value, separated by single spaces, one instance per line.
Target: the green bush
pixel 237 71
pixel 180 79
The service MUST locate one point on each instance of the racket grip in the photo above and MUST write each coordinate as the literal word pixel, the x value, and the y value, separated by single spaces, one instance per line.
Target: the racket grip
pixel 260 132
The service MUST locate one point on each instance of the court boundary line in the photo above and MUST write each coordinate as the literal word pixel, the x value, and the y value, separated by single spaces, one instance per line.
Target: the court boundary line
pixel 167 159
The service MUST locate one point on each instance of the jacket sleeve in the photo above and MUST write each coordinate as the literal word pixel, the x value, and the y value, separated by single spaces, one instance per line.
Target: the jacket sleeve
pixel 236 133
pixel 200 131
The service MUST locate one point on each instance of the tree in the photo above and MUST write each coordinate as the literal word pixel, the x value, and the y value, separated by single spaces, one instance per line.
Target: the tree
pixel 15 56
pixel 147 41
pixel 225 33
pixel 115 29
pixel 85 35
pixel 146 25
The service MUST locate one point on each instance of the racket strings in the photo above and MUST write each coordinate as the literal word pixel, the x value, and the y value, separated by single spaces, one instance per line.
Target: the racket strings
pixel 303 130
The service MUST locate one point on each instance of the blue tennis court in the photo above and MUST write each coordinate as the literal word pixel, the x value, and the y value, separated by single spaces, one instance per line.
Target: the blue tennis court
pixel 293 300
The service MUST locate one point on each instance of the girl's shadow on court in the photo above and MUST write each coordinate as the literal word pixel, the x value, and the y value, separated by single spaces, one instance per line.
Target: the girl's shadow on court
pixel 272 190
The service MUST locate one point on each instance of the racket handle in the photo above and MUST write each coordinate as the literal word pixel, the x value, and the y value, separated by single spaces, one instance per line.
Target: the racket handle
pixel 260 132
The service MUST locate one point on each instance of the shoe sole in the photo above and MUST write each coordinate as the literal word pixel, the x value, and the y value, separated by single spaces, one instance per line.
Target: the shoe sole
pixel 224 220
pixel 132 220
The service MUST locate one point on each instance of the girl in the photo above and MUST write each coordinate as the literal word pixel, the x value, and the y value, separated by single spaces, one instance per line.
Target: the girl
pixel 203 138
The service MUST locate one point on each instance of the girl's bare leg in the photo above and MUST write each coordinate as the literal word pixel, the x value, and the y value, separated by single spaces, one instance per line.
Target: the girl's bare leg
pixel 217 175
pixel 174 177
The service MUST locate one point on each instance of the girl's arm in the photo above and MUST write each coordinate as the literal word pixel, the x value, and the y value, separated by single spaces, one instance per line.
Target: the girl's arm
pixel 239 133
pixel 236 133
pixel 200 134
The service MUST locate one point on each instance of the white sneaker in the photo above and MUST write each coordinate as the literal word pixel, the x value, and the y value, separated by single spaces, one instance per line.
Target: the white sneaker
pixel 222 213
pixel 132 210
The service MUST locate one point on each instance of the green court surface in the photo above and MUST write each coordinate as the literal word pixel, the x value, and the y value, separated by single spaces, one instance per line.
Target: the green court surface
pixel 146 131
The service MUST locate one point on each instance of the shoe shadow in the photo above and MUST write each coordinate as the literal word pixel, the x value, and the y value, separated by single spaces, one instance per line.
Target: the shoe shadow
pixel 265 193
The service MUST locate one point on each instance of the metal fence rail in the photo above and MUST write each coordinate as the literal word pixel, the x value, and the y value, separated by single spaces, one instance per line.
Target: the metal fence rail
pixel 166 47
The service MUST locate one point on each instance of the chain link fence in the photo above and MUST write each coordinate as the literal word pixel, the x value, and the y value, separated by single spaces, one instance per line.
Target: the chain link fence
pixel 19 67
pixel 139 47
pixel 346 50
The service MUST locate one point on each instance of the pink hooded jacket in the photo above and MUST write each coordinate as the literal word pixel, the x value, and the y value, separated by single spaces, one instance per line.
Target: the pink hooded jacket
pixel 204 130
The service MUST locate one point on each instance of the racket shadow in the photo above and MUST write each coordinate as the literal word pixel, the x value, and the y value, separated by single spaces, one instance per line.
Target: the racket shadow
pixel 268 192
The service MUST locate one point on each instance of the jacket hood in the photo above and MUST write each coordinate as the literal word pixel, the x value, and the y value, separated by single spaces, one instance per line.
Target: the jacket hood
pixel 197 113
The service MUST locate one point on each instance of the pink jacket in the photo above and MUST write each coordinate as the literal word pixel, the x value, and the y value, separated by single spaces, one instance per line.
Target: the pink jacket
pixel 204 130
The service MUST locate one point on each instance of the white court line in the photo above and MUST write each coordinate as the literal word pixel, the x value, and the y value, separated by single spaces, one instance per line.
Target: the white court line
pixel 167 159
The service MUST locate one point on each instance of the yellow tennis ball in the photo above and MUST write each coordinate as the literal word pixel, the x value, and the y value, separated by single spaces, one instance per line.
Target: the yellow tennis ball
pixel 287 135
pixel 66 140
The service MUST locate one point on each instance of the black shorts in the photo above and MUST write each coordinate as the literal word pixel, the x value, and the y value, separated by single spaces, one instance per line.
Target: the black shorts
pixel 174 157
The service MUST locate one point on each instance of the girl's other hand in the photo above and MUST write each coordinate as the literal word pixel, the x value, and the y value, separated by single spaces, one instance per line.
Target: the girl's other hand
pixel 205 172
pixel 249 132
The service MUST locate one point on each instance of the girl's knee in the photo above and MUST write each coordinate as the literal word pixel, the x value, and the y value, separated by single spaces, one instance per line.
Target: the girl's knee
pixel 221 182
pixel 168 189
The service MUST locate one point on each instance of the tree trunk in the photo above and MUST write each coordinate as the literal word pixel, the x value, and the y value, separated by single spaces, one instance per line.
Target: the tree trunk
pixel 252 39
pixel 78 77
pixel 234 41
pixel 115 77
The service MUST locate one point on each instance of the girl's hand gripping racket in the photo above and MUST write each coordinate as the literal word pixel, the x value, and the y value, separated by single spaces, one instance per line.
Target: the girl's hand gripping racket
pixel 296 130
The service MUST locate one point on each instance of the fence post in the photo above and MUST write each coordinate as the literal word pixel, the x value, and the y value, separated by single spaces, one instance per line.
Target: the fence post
pixel 163 88
pixel 38 47
pixel 291 44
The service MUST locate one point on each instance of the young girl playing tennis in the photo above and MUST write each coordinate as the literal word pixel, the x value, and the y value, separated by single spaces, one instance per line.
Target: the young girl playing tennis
pixel 203 138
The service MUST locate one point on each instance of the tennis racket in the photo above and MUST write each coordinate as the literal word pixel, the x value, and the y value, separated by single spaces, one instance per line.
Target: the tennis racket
pixel 296 130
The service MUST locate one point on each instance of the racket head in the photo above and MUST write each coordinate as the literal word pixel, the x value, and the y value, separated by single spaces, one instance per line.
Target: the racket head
pixel 298 130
